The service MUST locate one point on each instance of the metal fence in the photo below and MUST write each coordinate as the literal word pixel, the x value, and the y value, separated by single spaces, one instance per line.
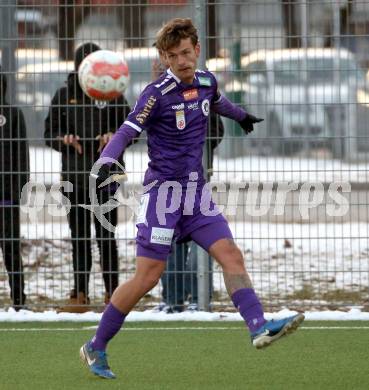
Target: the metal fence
pixel 300 214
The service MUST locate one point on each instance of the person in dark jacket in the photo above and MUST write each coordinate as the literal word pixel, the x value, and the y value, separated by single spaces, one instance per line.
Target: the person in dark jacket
pixel 79 128
pixel 14 173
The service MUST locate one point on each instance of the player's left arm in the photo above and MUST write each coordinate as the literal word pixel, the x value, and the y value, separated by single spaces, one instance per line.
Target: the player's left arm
pixel 224 107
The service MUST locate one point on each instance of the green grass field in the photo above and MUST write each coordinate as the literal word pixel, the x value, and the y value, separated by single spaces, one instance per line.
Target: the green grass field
pixel 183 355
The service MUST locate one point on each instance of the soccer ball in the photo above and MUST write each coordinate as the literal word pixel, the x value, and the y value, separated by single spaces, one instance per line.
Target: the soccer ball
pixel 103 75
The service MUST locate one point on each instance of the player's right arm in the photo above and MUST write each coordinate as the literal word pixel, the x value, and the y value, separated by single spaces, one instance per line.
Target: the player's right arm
pixel 145 109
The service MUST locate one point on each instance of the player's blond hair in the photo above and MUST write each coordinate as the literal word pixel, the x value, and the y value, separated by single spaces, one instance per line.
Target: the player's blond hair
pixel 171 34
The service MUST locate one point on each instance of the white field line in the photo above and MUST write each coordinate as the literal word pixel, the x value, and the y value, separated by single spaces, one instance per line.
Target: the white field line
pixel 88 328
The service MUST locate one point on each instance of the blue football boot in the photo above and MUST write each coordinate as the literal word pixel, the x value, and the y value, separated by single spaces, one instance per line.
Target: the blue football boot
pixel 96 361
pixel 273 330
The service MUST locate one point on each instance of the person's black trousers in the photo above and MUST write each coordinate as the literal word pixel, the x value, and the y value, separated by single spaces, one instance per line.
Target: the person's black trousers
pixel 10 245
pixel 79 220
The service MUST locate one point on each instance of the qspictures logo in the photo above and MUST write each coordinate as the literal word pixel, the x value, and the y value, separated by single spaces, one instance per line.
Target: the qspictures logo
pixel 257 199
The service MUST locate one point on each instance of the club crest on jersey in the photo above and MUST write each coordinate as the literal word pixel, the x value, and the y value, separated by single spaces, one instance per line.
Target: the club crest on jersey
pixel 2 120
pixel 190 94
pixel 180 120
pixel 205 106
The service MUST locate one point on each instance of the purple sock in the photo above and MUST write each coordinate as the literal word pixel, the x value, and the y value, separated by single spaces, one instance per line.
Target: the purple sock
pixel 249 306
pixel 110 324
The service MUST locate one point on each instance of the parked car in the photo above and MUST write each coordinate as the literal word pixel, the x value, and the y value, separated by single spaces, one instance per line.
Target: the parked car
pixel 33 24
pixel 31 21
pixel 32 56
pixel 306 96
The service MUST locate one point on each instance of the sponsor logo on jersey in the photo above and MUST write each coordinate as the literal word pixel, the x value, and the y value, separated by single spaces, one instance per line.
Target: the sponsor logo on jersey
pixel 193 106
pixel 205 81
pixel 72 101
pixel 205 106
pixel 2 120
pixel 143 115
pixel 190 94
pixel 178 106
pixel 168 88
pixel 161 236
pixel 180 120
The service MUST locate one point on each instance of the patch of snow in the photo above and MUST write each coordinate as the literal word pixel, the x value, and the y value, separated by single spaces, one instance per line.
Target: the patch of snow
pixel 324 257
pixel 45 166
pixel 51 316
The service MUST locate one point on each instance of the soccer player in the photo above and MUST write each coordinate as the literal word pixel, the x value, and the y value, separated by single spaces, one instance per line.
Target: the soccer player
pixel 174 111
pixel 179 280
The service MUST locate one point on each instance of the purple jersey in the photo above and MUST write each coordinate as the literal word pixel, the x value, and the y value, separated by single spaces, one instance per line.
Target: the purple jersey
pixel 175 117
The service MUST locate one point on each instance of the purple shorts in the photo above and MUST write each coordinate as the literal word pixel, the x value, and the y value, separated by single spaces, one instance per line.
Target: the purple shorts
pixel 179 215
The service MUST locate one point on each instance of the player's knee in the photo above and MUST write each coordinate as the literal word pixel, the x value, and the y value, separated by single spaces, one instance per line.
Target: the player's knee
pixel 233 252
pixel 237 260
pixel 149 281
pixel 233 260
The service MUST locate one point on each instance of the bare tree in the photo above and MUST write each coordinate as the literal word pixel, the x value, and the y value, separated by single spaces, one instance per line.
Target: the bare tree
pixel 293 40
pixel 71 13
pixel 132 17
pixel 211 30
